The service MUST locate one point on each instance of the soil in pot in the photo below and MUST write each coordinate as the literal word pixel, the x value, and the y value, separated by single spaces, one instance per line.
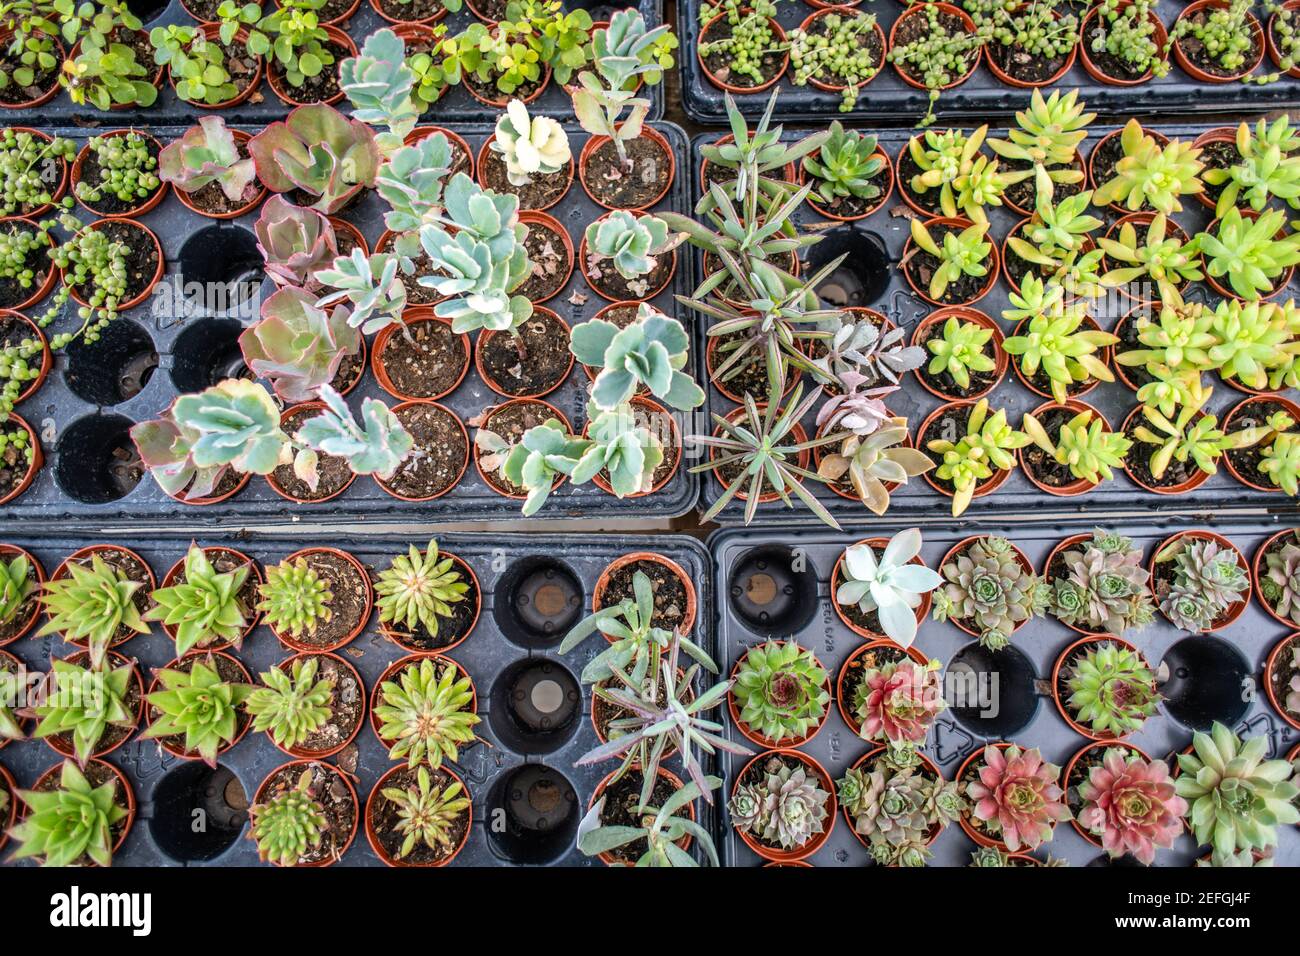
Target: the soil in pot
pixel 751 378
pixel 1105 157
pixel 411 11
pixel 604 713
pixel 670 595
pixel 113 734
pixel 542 190
pixel 922 266
pixel 943 381
pixel 634 186
pixel 110 205
pixel 416 294
pixel 1138 461
pixel 348 605
pixel 914 28
pixel 347 702
pixel 464 614
pixel 141 255
pixel 441 452
pixel 1247 460
pixel 213 200
pixel 533 361
pixel 384 818
pixel 324 85
pixel 1023 194
pixel 428 362
pixel 12 293
pixel 1217 154
pixel 551 261
pixel 718 63
pixel 336 801
pixel 1012 60
pixel 622 800
pixel 488 90
pixel 1201 58
pixel 1105 61
pixel 333 471
pixel 491 9
pixel 1283 674
pixel 43 80
pixel 1275 546
pixel 1127 331
pixel 133 569
pixel 230 672
pixel 97 773
pixel 510 421
pixel 1046 468
pixel 21 618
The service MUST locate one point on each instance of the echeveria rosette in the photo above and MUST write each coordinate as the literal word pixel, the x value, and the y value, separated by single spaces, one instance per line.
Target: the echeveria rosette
pixel 1104 587
pixel 1280 583
pixel 898 702
pixel 797 806
pixel 1017 795
pixel 780 691
pixel 1131 803
pixel 319 150
pixel 892 586
pixel 986 587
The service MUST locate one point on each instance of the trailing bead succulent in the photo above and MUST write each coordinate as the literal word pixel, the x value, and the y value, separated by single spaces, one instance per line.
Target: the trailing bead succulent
pixel 294 598
pixel 897 806
pixel 198 705
pixel 1083 445
pixel 419 588
pixel 987 588
pixel 1017 796
pixel 1112 690
pixel 126 170
pixel 1104 587
pixel 897 701
pixel 785 808
pixel 291 823
pixel 70 823
pixel 1132 805
pixel 84 702
pixel 1207 581
pixel 780 691
pixel 427 714
pixel 92 603
pixel 292 704
pixel 427 814
pixel 889 585
pixel 622 446
pixel 203 605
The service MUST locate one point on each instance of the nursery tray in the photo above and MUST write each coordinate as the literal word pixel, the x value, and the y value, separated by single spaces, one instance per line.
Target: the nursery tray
pixel 753 561
pixel 455 106
pixel 888 98
pixel 197 347
pixel 493 768
pixel 870 277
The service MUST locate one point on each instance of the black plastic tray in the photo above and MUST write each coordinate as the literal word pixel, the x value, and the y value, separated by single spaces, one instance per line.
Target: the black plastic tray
pixel 983 96
pixel 813 622
pixel 456 105
pixel 488 655
pixel 227 251
pixel 878 242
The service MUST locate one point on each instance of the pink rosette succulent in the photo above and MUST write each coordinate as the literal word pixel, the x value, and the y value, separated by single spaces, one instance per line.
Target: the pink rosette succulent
pixel 1132 805
pixel 897 703
pixel 1018 796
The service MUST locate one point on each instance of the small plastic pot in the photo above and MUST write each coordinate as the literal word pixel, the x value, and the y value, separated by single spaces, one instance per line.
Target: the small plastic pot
pixel 1074 761
pixel 467 573
pixel 1160 37
pixel 702 38
pixel 10 788
pixel 302 766
pixel 602 582
pixel 65 173
pixel 500 101
pixel 1234 610
pixel 8 552
pixel 594 287
pixel 174 573
pixel 843 696
pixel 1102 355
pixel 488 335
pixel 111 660
pixel 1121 371
pixel 368 597
pixel 1243 408
pixel 392 673
pixel 1259 571
pixel 1077 163
pixel 963 314
pixel 712 362
pixel 438 15
pixel 281 490
pixel 156 685
pixel 985 487
pixel 214 498
pixel 886 190
pixel 62 571
pixel 684 843
pixel 475 453
pixel 534 217
pixel 60 54
pixel 343 17
pixel 1198 478
pixel 141 296
pixel 925 764
pixel 1052 80
pixel 241 137
pixel 1078 486
pixel 798 435
pixel 155 78
pixel 647 132
pixel 285 92
pixel 386 486
pixel 824 782
pixel 958 549
pixel 412 316
pixel 1061 661
pixel 301 752
pixel 753 736
pixel 342 225
pixel 377 794
pixel 123 782
pixel 39 290
pixel 655 411
pixel 949 9
pixel 922 610
pixel 1271 667
pixel 47 358
pixel 38 459
pixel 480 165
pixel 1274 52
pixel 1068 544
pixel 1204 76
pixel 911 249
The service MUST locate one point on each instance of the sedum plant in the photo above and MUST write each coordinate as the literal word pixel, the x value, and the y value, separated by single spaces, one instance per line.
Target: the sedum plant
pixel 320 151
pixel 1190 435
pixel 1056 237
pixel 1054 342
pixel 1236 798
pixel 649 353
pixel 1176 340
pixel 297 345
pixel 663 828
pixel 427 814
pixel 1132 804
pixel 16 586
pixel 1149 175
pixel 290 824
pixel 1104 587
pixel 417 589
pixel 84 702
pixel 203 606
pixel 529 146
pixel 972 458
pixel 72 822
pixel 93 603
pixel 1250 253
pixel 1048 135
pixel 895 808
pixel 963 253
pixel 785 808
pixel 781 691
pixel 1159 256
pixel 427 714
pixel 206 154
pixel 1083 445
pixel 1129 35
pixel 1017 796
pixel 896 702
pixel 295 243
pixel 986 587
pixel 1207 580
pixel 199 705
pixel 375 447
pixel 1253 341
pixel 891 585
pixel 295 598
pixel 292 705
pixel 1268 168
pixel 1112 690
pixel 848 165
pixel 959 350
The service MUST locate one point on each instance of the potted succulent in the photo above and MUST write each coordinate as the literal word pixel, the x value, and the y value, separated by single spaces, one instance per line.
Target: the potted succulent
pixel 424 707
pixel 211 170
pixel 1124 42
pixel 889 696
pixel 1217 41
pixel 196 705
pixel 304 814
pixel 948 262
pixel 1111 689
pixel 934 47
pixel 1014 797
pixel 116 174
pixel 886 596
pixel 1123 801
pixel 780 695
pixel 1282 679
pixel 86 711
pixel 21 580
pixel 1200 580
pixel 96 598
pixel 898 803
pixel 427 600
pixel 1273 572
pixel 75 816
pixel 971 449
pixel 316 600
pixel 741 47
pixel 1097 584
pixel 989 590
pixel 1083 454
pixel 418 818
pixel 783 805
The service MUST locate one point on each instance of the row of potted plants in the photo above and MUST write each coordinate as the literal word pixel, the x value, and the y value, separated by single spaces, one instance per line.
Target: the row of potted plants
pixel 840 49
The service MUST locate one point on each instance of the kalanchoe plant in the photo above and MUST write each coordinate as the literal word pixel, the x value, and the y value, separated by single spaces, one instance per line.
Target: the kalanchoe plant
pixel 896 807
pixel 92 603
pixel 987 445
pixel 427 814
pixel 297 345
pixel 198 705
pixel 375 447
pixel 546 452
pixel 1159 256
pixel 105 72
pixel 623 448
pixel 84 702
pixel 71 822
pixel 295 242
pixel 632 243
pixel 649 353
pixel 529 146
pixel 663 828
pixel 291 823
pixel 1048 135
pixel 896 702
pixel 785 808
pixel 1054 342
pixel 370 284
pixel 987 588
pixel 205 154
pixel 959 350
pixel 1250 253
pixel 419 588
pixel 203 605
pixel 127 170
pixel 295 599
pixel 1207 580
pixel 890 585
pixel 1132 805
pixel 848 165
pixel 1236 798
pixel 1268 168
pixel 1017 796
pixel 1149 175
pixel 379 84
pixel 1104 587
pixel 427 715
pixel 1190 435
pixel 292 704
pixel 1082 445
pixel 781 691
pixel 963 253
pixel 1112 690
pixel 320 151
pixel 411 182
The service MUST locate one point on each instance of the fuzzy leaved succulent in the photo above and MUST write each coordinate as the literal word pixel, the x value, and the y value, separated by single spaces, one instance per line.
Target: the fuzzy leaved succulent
pixel 379 85
pixel 94 603
pixel 546 452
pixel 1112 690
pixel 1017 795
pixel 292 704
pixel 320 151
pixel 631 243
pixel 623 446
pixel 411 182
pixel 418 588
pixel 375 447
pixel 989 589
pixel 290 824
pixel 890 585
pixel 1104 587
pixel 1131 803
pixel 207 153
pixel 73 821
pixel 427 714
pixel 781 691
pixel 199 706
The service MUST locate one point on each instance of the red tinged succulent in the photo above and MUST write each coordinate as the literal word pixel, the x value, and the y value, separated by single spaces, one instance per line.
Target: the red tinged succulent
pixel 898 702
pixel 1018 797
pixel 1132 805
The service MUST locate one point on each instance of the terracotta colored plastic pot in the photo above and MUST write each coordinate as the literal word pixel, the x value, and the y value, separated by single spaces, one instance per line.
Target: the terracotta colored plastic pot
pixel 798 435
pixel 467 574
pixel 241 137
pixel 342 17
pixel 602 582
pixel 10 788
pixel 960 548
pixel 8 552
pixel 1160 38
pixel 843 693
pixel 703 38
pixel 684 843
pixel 753 736
pixel 485 154
pixel 1234 610
pixel 647 132
pixel 421 132
pixel 1121 371
pixel 911 249
pixel 281 88
pixel 824 782
pixel 967 23
pixel 1220 134
pixel 488 335
pixel 301 752
pixel 302 766
pixel 1061 661
pixel 490 480
pixel 215 497
pixel 1052 80
pixel 111 660
pixel 377 794
pixel 412 316
pixel 886 189
pixel 1243 409
pixel 1194 71
pixel 1018 231
pixel 985 487
pixel 656 412
pixel 1097 181
pixel 38 292
pixel 922 610
pixel 1259 571
pixel 963 314
pixel 212 31
pixel 980 836
pixel 1069 769
pixel 60 54
pixel 87 552
pixel 474 9
pixel 65 173
pixel 848 13
pixel 47 358
pixel 1198 478
pixel 255 574
pixel 650 293
pixel 848 493
pixel 1272 666
pixel 275 484
pixel 925 764
pixel 393 673
pixel 301 646
pixel 386 486
pixel 124 784
pixel 531 217
pixel 1274 52
pixel 144 294
pixel 156 685
pixel 1069 544
pixel 1078 486
pixel 438 15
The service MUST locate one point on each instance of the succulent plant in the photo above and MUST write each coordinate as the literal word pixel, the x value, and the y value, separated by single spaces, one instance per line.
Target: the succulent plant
pixel 376 448
pixel 295 598
pixel 1207 580
pixel 972 458
pixel 897 702
pixel 661 827
pixel 1281 462
pixel 623 53
pixel 1151 175
pixel 959 350
pixel 650 352
pixel 379 84
pixel 1236 798
pixel 199 705
pixel 621 446
pixel 942 157
pixel 427 714
pixel 1177 339
pixel 297 345
pixel 290 824
pixel 84 702
pixel 73 821
pixel 417 589
pixel 848 164
pixel 1292 700
pixel 780 690
pixel 203 605
pixel 1160 256
pixel 1017 796
pixel 427 814
pixel 891 585
pixel 963 253
pixel 1190 435
pixel 785 808
pixel 895 807
pixel 1132 805
pixel 1280 583
pixel 292 705
pixel 1250 252
pixel 752 155
pixel 13 691
pixel 1251 338
pixel 205 154
pixel 1104 587
pixel 1083 445
pixel 295 242
pixel 411 182
pixel 529 146
pixel 546 452
pixel 1054 342
pixel 1267 168
pixel 859 345
pixel 630 242
pixel 1048 134
pixel 320 151
pixel 986 587
pixel 873 460
pixel 92 603
pixel 370 283
pixel 1112 689
pixel 16 585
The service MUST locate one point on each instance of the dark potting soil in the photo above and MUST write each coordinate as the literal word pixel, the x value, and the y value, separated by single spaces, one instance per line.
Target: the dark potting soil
pixel 543 189
pixel 141 254
pixel 410 11
pixel 332 471
pixel 856 668
pixel 869 40
pixel 348 604
pixel 1043 382
pixel 914 28
pixel 1138 461
pixel 439 456
pixel 212 198
pixel 1026 67
pixel 138 41
pixel 347 704
pixel 205 11
pixel 416 294
pixel 28 609
pixel 622 808
pixel 1247 460
pixel 1044 467
pixel 428 363
pixel 332 10
pixel 349 372
pixel 552 263
pixel 113 734
pixel 226 484
pixel 345 239
pixel 464 613
pixel 1023 193
pixel 42 80
pixel 509 422
pixel 1273 548
pixel 488 90
pixel 922 266
pixel 718 63
pixel 98 773
pixel 670 594
pixel 1218 155
pixel 533 360
pixel 943 381
pixel 1162 581
pixel 491 9
pixel 314 89
pixel 748 375
pixel 12 291
pixel 384 818
pixel 1202 58
pixel 230 672
pixel 638 184
pixel 335 799
pixel 951 425
pixel 1127 331
pixel 1109 64
pixel 134 570
pixel 1282 674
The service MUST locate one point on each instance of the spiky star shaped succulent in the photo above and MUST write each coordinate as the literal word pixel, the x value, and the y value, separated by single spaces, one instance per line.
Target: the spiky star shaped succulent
pixel 418 589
